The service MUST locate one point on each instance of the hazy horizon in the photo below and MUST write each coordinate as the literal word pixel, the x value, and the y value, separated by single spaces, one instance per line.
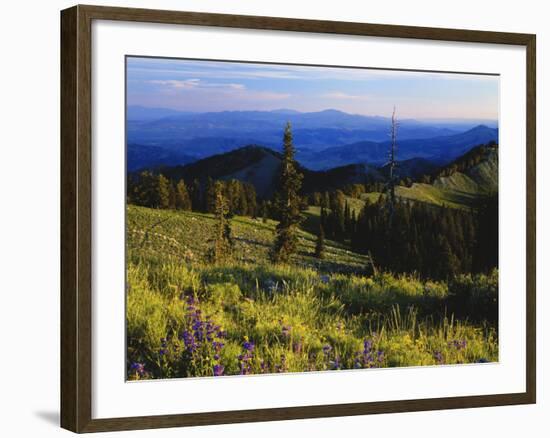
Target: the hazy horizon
pixel 281 110
pixel 217 86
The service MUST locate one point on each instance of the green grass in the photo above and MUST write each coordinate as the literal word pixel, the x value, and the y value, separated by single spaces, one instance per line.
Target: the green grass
pixel 184 237
pixel 431 194
pixel 300 317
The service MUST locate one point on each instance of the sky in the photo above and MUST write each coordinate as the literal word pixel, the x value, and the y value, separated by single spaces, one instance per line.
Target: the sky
pixel 212 86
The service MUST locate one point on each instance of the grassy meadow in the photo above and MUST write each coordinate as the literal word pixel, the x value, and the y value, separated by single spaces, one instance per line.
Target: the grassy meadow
pixel 188 317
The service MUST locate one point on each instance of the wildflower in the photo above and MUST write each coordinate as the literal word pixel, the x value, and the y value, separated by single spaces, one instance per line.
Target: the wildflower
pixel 438 357
pixel 458 344
pixel 218 370
pixel 217 345
pixel 248 345
pixel 138 368
pixel 189 341
pixel 326 349
pixel 367 346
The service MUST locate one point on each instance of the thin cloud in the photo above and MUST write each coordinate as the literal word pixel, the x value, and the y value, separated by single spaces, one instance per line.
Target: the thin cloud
pixel 236 70
pixel 188 84
pixel 345 96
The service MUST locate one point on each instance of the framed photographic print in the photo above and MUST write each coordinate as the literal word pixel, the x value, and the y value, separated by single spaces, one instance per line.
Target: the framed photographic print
pixel 268 218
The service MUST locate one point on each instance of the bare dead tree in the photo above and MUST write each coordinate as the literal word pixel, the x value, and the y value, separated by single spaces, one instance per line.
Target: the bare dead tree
pixel 392 163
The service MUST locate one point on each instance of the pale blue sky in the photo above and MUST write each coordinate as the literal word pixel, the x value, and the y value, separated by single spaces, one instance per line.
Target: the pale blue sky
pixel 202 86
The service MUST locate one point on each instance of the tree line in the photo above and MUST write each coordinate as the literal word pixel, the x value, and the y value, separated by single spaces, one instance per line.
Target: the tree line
pixel 153 190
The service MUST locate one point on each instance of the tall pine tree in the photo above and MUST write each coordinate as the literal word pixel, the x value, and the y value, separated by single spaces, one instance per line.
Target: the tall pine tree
pixel 164 192
pixel 287 203
pixel 320 245
pixel 223 244
pixel 183 200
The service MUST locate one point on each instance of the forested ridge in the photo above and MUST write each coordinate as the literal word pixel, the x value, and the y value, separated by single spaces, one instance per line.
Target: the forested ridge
pixel 434 241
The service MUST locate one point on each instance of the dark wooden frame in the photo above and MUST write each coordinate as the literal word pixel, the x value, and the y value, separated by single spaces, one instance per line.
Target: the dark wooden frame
pixel 76 174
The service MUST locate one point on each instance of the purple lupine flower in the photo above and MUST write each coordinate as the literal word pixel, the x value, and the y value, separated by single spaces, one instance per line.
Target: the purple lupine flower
pixel 138 368
pixel 218 370
pixel 458 344
pixel 248 345
pixel 438 357
pixel 367 346
pixel 217 346
pixel 189 341
pixel 326 349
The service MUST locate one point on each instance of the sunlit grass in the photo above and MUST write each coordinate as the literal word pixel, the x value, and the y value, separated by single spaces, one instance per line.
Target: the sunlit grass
pixel 186 317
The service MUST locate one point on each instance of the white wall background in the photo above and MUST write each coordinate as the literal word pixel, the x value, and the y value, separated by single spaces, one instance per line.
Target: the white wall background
pixel 29 217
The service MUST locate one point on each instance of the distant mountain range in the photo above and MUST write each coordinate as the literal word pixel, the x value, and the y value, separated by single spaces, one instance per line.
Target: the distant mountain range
pixel 201 135
pixel 436 150
pixel 440 150
pixel 142 157
pixel 260 166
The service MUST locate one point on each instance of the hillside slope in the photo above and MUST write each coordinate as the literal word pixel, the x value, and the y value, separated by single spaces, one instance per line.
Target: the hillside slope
pixel 260 166
pixel 459 189
pixel 185 236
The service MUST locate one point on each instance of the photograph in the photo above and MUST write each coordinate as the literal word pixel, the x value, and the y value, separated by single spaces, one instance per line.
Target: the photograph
pixel 285 218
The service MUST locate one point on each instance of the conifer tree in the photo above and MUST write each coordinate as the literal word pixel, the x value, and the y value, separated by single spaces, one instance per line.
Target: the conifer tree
pixel 195 193
pixel 163 188
pixel 145 190
pixel 210 196
pixel 320 244
pixel 223 244
pixel 172 195
pixel 183 200
pixel 288 203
